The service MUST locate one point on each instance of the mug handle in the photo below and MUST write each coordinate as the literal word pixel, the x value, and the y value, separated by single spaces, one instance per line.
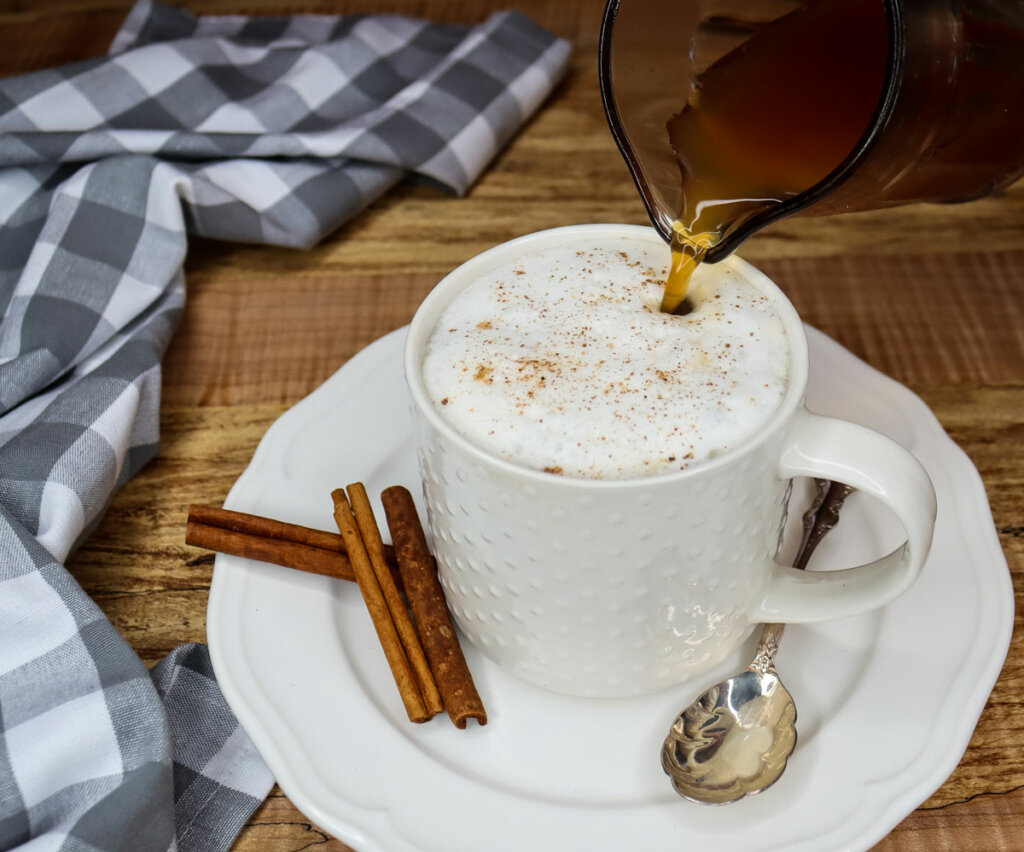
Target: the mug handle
pixel 827 448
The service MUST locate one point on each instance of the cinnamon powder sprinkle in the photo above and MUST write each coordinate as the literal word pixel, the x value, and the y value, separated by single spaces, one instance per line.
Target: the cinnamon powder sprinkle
pixel 576 372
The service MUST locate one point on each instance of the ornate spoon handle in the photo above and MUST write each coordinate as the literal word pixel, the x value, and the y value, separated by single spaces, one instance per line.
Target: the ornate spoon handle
pixel 821 516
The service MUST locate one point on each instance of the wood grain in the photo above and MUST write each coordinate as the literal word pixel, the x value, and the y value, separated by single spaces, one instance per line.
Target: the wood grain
pixel 289 332
pixel 932 295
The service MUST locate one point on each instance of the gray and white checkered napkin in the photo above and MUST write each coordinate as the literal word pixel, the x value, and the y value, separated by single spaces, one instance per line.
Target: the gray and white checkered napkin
pixel 270 130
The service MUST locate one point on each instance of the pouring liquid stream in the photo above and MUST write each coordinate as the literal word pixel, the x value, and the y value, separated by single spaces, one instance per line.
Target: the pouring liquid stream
pixel 770 118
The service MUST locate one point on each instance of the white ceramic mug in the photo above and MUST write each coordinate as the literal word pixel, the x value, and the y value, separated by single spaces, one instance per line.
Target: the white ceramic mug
pixel 623 587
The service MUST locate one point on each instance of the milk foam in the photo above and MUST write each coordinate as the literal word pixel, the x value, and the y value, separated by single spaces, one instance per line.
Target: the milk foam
pixel 561 361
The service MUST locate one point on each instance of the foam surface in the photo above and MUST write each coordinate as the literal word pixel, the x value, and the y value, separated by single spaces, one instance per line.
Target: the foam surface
pixel 561 361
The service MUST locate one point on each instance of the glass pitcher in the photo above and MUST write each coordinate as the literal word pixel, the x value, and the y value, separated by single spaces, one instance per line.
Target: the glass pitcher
pixel 732 114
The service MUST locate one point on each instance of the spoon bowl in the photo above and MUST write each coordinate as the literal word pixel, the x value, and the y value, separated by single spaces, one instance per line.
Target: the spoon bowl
pixel 733 741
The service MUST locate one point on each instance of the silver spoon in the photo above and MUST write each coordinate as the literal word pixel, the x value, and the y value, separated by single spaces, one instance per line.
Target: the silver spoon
pixel 735 740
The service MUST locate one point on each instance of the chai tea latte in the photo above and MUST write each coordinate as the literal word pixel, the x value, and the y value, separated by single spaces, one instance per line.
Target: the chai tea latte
pixel 562 361
pixel 770 118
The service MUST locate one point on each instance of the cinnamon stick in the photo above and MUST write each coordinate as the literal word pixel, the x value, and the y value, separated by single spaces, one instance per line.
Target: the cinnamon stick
pixel 367 524
pixel 257 525
pixel 378 609
pixel 277 542
pixel 426 599
pixel 289 554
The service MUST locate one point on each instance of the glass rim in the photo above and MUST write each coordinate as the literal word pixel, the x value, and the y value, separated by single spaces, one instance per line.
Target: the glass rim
pixel 813 194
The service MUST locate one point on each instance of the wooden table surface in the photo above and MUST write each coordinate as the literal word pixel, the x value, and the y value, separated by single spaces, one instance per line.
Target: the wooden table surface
pixel 931 295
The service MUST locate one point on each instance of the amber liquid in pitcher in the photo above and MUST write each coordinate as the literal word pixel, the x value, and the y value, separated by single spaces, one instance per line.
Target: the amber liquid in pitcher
pixel 771 118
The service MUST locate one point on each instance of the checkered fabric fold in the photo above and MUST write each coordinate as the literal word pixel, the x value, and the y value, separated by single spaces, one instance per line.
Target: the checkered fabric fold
pixel 263 130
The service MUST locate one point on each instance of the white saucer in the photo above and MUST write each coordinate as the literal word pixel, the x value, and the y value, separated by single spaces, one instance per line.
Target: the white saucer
pixel 887 702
